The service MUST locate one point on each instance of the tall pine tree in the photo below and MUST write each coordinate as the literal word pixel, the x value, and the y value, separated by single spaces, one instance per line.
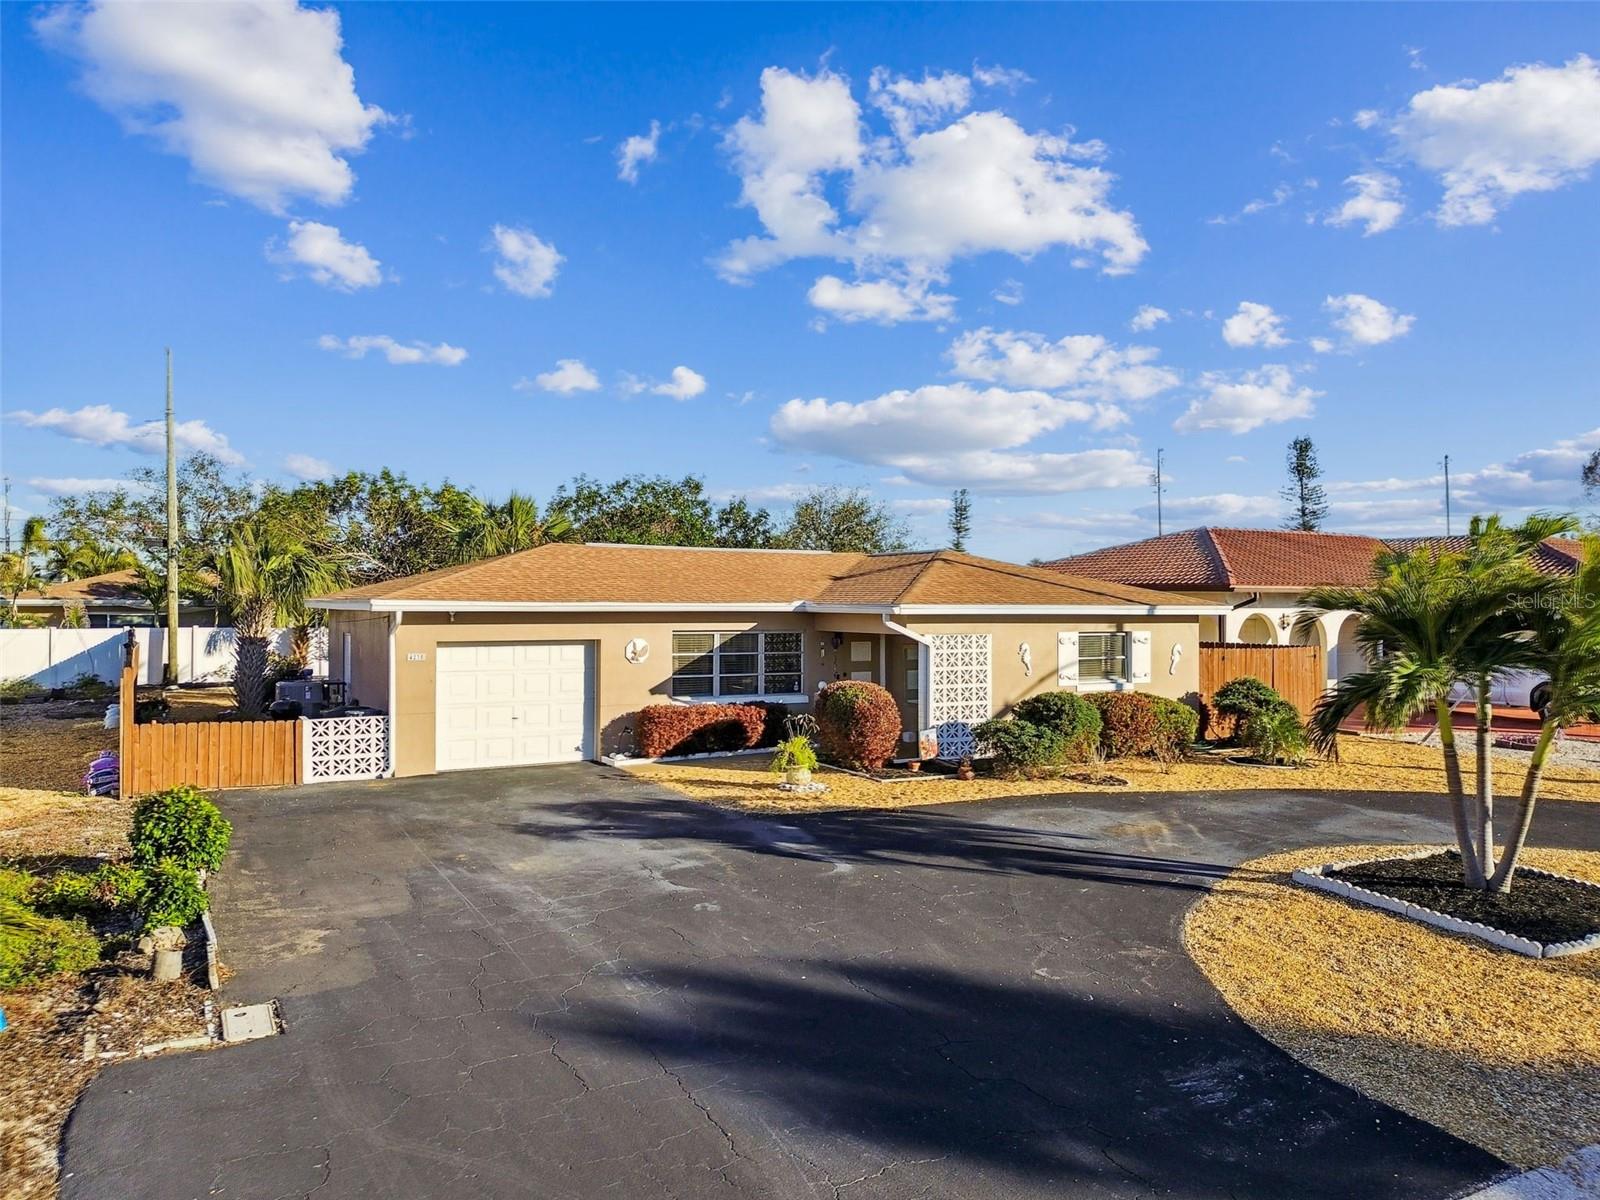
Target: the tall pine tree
pixel 1308 501
pixel 960 519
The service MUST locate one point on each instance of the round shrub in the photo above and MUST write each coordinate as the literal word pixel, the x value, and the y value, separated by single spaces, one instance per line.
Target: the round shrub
pixel 1019 747
pixel 1177 725
pixel 1276 734
pixel 1127 723
pixel 172 895
pixel 1070 715
pixel 1242 696
pixel 181 824
pixel 858 723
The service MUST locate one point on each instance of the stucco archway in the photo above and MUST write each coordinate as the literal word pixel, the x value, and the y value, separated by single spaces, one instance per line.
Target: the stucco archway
pixel 1348 655
pixel 1257 630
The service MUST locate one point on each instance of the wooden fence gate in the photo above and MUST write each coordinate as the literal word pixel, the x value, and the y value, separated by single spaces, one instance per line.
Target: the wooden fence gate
pixel 208 754
pixel 1298 673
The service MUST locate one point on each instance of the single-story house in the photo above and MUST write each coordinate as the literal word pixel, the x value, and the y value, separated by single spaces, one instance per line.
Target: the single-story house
pixel 546 655
pixel 109 601
pixel 1259 575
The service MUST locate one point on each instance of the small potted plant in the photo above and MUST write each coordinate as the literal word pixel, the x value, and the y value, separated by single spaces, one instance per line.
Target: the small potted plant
pixel 794 759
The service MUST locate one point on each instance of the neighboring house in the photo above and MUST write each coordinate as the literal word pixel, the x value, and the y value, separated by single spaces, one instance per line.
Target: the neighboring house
pixel 109 601
pixel 1260 574
pixel 546 655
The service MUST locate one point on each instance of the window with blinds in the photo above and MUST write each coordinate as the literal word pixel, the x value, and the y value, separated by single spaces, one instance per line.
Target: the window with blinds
pixel 1102 657
pixel 734 665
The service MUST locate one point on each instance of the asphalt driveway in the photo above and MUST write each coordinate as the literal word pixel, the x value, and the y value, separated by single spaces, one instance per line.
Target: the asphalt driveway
pixel 563 982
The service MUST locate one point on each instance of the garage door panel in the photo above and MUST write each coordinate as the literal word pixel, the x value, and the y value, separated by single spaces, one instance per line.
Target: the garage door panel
pixel 512 704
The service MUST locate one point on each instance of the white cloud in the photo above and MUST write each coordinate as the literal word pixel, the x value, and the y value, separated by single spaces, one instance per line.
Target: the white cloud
pixel 925 421
pixel 637 150
pixel 1534 129
pixel 1084 364
pixel 1009 292
pixel 256 95
pixel 1377 203
pixel 1545 476
pixel 570 375
pixel 525 264
pixel 1218 509
pixel 1321 345
pixel 1366 118
pixel 442 354
pixel 1254 325
pixel 1280 195
pixel 1009 78
pixel 308 467
pixel 880 300
pixel 74 486
pixel 1148 317
pixel 102 425
pixel 1003 474
pixel 684 384
pixel 1238 403
pixel 327 257
pixel 1365 321
pixel 917 198
pixel 909 104
pixel 925 504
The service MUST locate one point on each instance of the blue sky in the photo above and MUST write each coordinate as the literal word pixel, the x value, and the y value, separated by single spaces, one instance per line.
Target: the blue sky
pixel 892 246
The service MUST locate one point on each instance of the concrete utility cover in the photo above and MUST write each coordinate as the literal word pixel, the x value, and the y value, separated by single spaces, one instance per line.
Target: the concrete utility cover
pixel 248 1021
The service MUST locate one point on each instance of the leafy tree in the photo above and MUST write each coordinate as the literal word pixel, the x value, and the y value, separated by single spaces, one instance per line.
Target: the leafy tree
pixel 489 530
pixel 638 510
pixel 1307 498
pixel 1433 620
pixel 843 519
pixel 265 575
pixel 742 527
pixel 22 570
pixel 960 519
pixel 79 556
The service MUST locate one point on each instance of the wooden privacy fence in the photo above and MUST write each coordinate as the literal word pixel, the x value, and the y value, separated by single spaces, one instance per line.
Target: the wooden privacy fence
pixel 1296 672
pixel 208 754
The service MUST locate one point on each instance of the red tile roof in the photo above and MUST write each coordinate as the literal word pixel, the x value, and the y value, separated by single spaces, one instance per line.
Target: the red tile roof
pixel 1213 559
pixel 1555 556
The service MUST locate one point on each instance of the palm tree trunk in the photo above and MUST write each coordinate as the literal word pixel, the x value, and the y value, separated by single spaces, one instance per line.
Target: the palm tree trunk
pixel 1485 782
pixel 1471 868
pixel 1501 882
pixel 253 629
pixel 300 645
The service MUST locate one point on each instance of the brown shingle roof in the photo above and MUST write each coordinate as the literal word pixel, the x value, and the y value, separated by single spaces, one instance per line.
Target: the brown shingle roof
pixel 118 586
pixel 1224 559
pixel 564 573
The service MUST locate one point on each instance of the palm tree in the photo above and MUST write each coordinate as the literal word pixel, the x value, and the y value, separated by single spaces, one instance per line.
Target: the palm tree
pixel 1566 646
pixel 265 575
pixel 1431 621
pixel 22 570
pixel 489 530
pixel 81 558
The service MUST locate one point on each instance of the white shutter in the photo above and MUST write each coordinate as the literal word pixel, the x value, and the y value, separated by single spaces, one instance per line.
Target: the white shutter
pixel 1067 665
pixel 1139 656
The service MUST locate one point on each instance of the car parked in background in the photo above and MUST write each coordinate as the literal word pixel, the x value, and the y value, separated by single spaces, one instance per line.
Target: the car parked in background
pixel 1510 689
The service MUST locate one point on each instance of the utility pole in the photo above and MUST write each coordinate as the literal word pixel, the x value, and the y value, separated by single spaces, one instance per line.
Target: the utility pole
pixel 1447 495
pixel 5 504
pixel 169 673
pixel 1156 479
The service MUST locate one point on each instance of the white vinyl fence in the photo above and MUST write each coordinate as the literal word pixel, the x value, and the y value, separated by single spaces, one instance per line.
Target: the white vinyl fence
pixel 55 657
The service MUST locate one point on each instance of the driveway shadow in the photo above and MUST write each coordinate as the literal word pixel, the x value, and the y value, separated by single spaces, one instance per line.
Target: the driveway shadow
pixel 898 837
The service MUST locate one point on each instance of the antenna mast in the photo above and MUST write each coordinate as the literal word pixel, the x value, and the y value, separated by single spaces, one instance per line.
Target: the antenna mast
pixel 1156 478
pixel 1447 495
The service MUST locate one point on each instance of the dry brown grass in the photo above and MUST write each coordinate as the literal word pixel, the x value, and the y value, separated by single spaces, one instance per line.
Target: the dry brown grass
pixel 1366 765
pixel 1498 1049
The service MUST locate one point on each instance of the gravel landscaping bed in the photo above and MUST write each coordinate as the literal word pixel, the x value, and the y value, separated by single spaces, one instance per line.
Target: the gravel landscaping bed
pixel 1539 907
pixel 1499 1049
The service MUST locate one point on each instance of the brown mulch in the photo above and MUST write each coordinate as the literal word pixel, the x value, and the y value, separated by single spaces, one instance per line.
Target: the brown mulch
pixel 114 1009
pixel 1496 1048
pixel 1366 764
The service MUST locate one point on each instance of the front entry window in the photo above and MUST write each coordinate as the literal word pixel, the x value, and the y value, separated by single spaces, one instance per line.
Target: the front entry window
pixel 714 666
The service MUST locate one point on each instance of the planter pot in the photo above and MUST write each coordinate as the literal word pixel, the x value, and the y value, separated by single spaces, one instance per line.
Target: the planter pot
pixel 798 776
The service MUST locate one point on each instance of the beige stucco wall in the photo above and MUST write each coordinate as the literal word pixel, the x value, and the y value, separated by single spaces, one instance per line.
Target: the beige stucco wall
pixel 621 687
pixel 368 674
pixel 1010 682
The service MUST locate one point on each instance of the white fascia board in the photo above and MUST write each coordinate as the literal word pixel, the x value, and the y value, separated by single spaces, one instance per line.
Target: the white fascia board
pixel 530 606
pixel 1061 610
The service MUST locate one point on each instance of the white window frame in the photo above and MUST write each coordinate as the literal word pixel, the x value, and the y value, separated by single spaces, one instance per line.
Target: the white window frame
pixel 761 693
pixel 1120 684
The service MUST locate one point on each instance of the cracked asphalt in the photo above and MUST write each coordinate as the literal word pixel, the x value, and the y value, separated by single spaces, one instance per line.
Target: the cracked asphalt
pixel 564 982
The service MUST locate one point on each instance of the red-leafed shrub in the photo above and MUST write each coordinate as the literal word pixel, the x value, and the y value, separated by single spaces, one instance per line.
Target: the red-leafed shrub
pixel 669 730
pixel 858 723
pixel 1128 724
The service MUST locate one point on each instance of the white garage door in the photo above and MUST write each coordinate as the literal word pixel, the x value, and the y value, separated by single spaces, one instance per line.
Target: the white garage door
pixel 513 703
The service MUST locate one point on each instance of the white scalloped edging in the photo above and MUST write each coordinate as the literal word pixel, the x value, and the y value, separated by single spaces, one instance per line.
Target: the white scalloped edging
pixel 1317 877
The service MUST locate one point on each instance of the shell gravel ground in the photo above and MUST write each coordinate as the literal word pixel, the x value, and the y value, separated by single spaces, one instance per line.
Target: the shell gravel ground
pixel 1496 1048
pixel 63 1031
pixel 1366 764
